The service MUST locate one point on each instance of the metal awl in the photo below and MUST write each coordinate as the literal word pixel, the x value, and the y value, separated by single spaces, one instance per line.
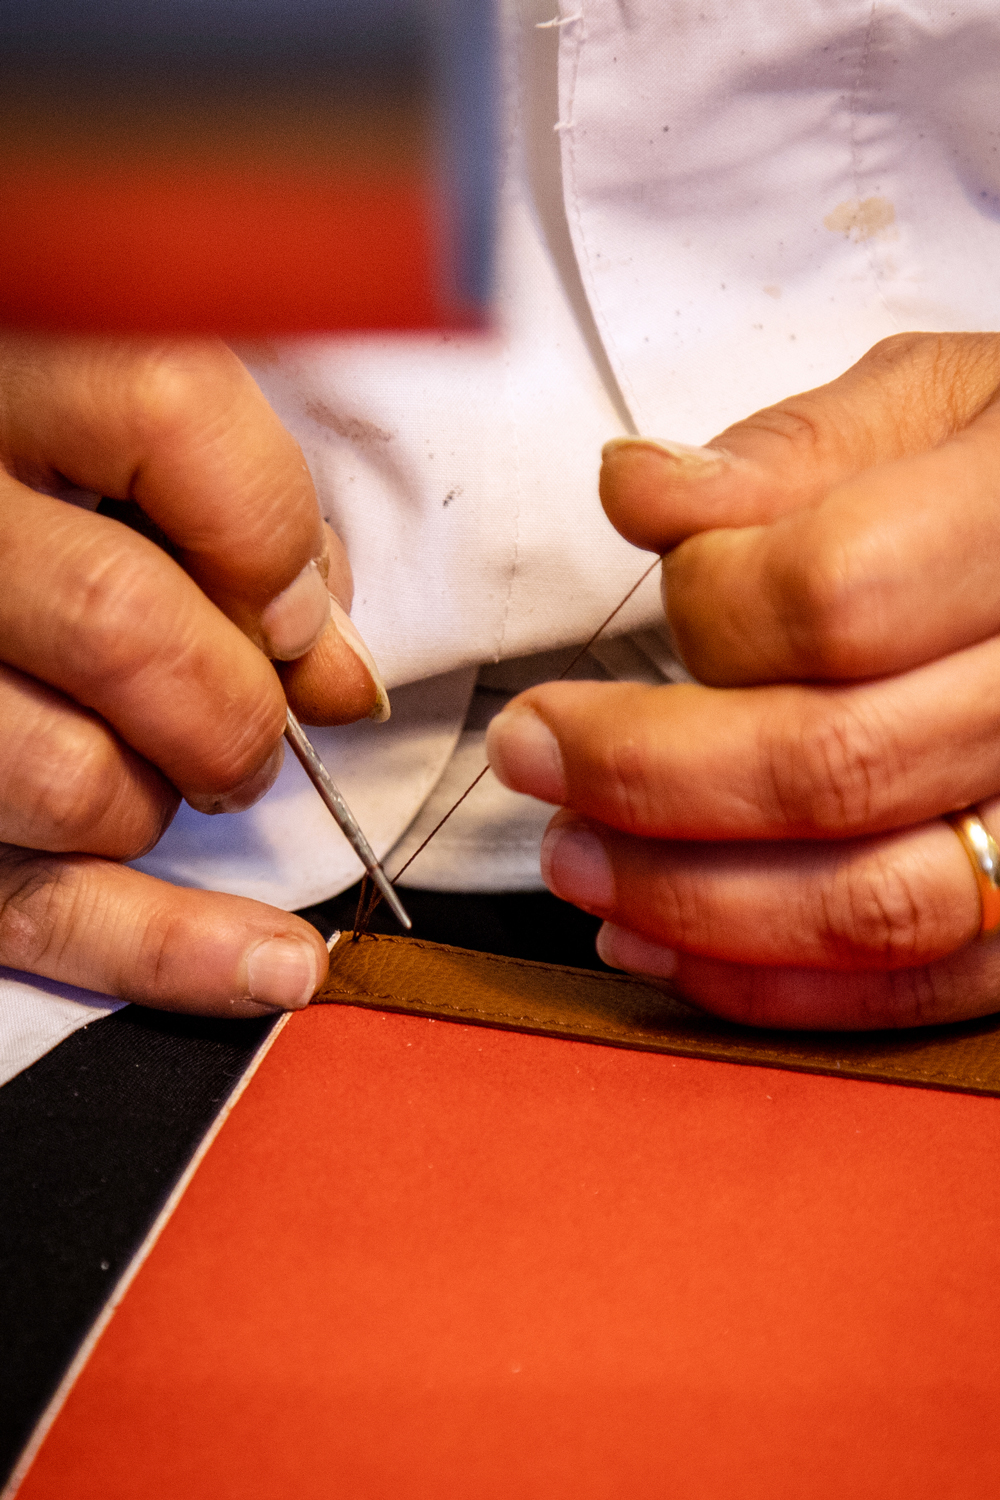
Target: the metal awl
pixel 346 821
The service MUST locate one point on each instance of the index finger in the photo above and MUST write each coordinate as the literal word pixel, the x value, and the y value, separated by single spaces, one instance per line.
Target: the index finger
pixel 180 427
pixel 791 761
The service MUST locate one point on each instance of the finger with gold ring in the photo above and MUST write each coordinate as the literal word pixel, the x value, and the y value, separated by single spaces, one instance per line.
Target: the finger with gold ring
pixel 984 857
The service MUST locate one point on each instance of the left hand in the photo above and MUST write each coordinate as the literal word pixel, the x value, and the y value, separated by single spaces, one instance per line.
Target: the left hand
pixel 773 839
pixel 130 677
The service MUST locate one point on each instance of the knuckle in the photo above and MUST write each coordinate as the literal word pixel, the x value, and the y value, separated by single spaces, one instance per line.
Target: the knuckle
pixel 963 375
pixel 896 349
pixel 154 955
pixel 81 794
pixel 31 892
pixel 821 596
pixel 949 378
pixel 51 907
pixel 798 423
pixel 123 636
pixel 74 786
pixel 110 625
pixel 625 775
pixel 176 386
pixel 681 910
pixel 873 911
pixel 829 770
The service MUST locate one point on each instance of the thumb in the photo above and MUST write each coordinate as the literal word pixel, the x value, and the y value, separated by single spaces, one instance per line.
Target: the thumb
pixel 907 395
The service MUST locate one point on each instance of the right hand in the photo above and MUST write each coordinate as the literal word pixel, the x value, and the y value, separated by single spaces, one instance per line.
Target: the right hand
pixel 771 836
pixel 129 680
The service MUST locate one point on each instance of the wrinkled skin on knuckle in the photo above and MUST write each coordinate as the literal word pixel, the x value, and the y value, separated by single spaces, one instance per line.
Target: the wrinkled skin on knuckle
pixel 178 387
pixel 628 793
pixel 873 918
pixel 822 598
pixel 86 795
pixel 154 960
pixel 112 623
pixel 29 897
pixel 912 353
pixel 125 635
pixel 947 379
pixel 964 985
pixel 677 913
pixel 798 422
pixel 826 768
pixel 927 996
pixel 958 376
pixel 236 757
pixel 968 983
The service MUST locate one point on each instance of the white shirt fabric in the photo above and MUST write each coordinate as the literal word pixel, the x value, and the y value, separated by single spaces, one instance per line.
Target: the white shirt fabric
pixel 759 192
pixel 705 207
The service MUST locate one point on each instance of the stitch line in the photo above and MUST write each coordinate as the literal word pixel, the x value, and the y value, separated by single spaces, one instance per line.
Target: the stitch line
pixel 419 1007
pixel 514 142
pixel 854 105
pixel 559 21
pixel 629 397
pixel 576 976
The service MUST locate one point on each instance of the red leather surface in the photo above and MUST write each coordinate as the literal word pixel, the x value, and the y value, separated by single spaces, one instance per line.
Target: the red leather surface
pixel 428 1260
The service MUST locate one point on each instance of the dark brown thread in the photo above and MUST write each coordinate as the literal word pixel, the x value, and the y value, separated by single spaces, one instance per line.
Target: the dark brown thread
pixel 359 915
pixel 363 918
pixel 420 849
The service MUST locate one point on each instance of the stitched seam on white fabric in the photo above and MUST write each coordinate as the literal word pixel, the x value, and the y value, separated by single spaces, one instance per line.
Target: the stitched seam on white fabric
pixel 854 103
pixel 571 196
pixel 517 496
pixel 132 1270
pixel 514 142
pixel 559 21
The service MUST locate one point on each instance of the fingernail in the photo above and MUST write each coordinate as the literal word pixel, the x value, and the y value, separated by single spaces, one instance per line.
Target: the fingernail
pixel 688 462
pixel 296 619
pixel 247 793
pixel 351 636
pixel 525 755
pixel 576 867
pixel 282 972
pixel 621 949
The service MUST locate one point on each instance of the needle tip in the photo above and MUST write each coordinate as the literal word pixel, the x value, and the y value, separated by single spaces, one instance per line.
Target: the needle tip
pixel 389 895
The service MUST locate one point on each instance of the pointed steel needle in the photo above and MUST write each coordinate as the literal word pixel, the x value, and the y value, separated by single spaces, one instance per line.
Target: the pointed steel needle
pixel 323 782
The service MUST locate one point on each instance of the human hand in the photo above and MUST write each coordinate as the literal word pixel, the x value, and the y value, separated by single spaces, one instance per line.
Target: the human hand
pixel 771 837
pixel 130 678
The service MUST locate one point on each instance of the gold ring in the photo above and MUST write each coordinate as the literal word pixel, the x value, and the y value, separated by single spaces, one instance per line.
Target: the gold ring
pixel 984 857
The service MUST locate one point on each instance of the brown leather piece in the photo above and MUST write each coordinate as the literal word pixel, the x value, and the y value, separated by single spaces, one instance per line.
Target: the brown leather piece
pixel 453 984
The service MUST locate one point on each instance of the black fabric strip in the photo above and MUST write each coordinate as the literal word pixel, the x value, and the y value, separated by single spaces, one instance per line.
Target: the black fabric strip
pixel 94 1135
